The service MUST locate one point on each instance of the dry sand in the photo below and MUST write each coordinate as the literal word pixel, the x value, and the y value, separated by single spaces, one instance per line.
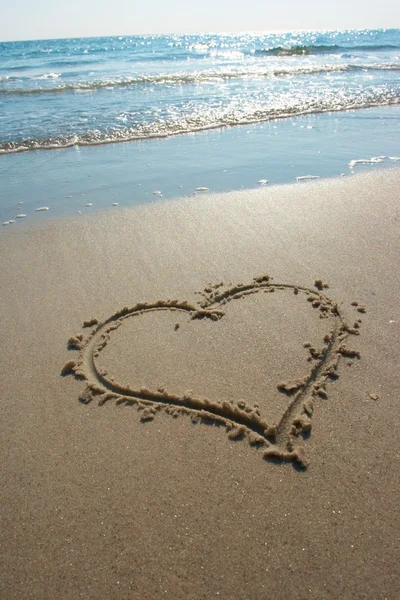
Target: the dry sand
pixel 130 492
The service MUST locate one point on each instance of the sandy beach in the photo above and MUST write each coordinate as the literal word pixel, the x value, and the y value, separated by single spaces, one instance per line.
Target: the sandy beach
pixel 200 397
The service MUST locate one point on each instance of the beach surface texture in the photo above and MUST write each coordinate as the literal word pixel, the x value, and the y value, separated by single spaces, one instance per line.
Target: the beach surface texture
pixel 200 399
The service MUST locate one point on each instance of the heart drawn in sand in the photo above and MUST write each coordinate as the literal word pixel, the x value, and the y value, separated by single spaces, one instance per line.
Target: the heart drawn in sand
pixel 232 354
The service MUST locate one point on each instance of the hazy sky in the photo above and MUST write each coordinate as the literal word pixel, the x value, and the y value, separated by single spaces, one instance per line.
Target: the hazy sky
pixel 36 19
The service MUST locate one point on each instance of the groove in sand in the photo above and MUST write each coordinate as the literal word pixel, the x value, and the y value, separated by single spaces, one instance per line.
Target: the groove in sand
pixel 283 440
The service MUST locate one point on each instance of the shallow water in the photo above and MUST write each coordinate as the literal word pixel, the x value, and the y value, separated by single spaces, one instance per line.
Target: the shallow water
pixel 252 107
pixel 58 93
pixel 233 158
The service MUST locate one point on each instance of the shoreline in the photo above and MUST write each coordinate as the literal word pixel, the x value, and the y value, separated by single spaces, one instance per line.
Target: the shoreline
pixel 379 169
pixel 104 498
pixel 240 158
pixel 207 128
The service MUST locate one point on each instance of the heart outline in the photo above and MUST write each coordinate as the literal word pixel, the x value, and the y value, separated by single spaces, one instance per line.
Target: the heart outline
pixel 283 440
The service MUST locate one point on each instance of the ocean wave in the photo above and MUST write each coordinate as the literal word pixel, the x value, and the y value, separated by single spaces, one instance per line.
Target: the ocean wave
pixel 68 62
pixel 299 49
pixel 307 49
pixel 81 55
pixel 196 123
pixel 197 77
pixel 47 76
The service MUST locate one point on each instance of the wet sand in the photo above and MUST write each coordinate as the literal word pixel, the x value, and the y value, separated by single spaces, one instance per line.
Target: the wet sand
pixel 200 397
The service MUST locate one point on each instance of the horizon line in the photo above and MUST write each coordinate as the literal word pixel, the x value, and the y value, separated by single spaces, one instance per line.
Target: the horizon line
pixel 168 34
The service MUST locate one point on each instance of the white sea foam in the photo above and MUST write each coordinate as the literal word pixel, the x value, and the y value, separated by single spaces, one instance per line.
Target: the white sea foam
pixel 48 76
pixel 302 177
pixel 371 161
pixel 365 161
pixel 42 208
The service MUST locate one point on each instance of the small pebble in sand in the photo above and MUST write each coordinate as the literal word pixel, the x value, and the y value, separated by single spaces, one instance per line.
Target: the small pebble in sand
pixel 115 203
pixel 391 322
pixel 21 216
pixel 89 204
pixel 201 189
pixel 262 181
pixel 42 208
pixel 374 396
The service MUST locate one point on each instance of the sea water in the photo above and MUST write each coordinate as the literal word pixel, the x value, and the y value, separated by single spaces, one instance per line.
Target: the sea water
pixel 106 121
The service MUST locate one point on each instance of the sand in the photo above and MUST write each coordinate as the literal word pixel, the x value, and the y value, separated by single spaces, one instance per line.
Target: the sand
pixel 200 397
